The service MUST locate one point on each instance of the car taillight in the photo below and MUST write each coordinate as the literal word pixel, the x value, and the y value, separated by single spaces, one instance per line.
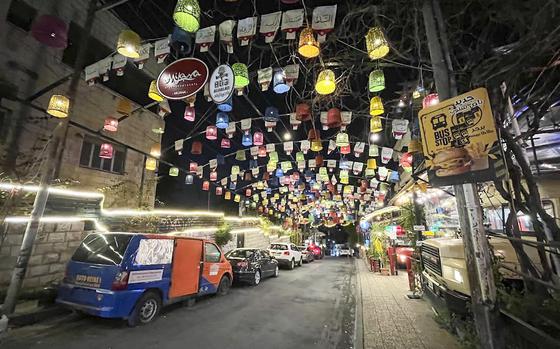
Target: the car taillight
pixel 286 253
pixel 120 282
pixel 243 264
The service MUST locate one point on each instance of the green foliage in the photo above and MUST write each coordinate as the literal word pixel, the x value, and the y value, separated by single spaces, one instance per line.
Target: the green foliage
pixel 223 235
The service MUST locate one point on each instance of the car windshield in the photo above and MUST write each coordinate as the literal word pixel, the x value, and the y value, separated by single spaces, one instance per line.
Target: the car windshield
pixel 240 254
pixel 102 249
pixel 278 247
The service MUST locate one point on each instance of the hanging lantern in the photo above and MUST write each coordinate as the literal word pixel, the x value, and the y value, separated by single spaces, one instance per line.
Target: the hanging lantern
pixel 316 145
pixel 153 92
pixel 346 149
pixel 376 81
pixel 111 124
pixel 279 173
pixel 51 31
pixel 273 157
pixel 303 112
pixel 258 138
pixel 319 160
pixel 155 150
pixel 227 195
pixel 406 161
pixel 225 143
pixel 58 106
pixel 237 198
pixel 235 170
pixel 372 164
pixel 262 152
pixel 240 155
pixel 377 46
pixel 279 81
pixel 248 192
pixel 222 120
pixel 211 132
pixel 190 113
pixel 271 114
pixel 189 179
pixel 227 106
pixel 173 172
pixel 219 191
pixel 187 15
pixel 196 148
pixel 308 46
pixel 376 106
pixel 300 156
pixel 193 167
pixel 151 164
pixel 375 124
pixel 247 140
pixel 241 73
pixel 313 134
pixel 247 176
pixel 342 139
pixel 128 44
pixel 326 82
pixel 106 151
pixel 206 185
pixel 430 100
pixel 334 119
pixel 213 176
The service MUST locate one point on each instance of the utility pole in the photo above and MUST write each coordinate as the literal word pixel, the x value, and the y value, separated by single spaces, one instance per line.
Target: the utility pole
pixel 477 251
pixel 47 172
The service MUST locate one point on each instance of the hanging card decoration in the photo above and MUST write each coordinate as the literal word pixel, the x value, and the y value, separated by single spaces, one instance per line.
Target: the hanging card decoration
pixel 226 34
pixel 312 163
pixel 400 127
pixel 269 25
pixel 255 171
pixel 301 165
pixel 205 37
pixel 254 151
pixel 292 20
pixel 230 130
pixel 179 146
pixel 288 147
pixel 213 163
pixel 332 146
pixel 346 117
pixel 144 55
pixel 386 154
pixel 200 171
pixel 305 145
pixel 324 120
pixel 246 124
pixel 270 148
pixel 104 67
pixel 223 181
pixel 358 167
pixel 292 73
pixel 91 73
pixel 119 62
pixel 331 164
pixel 264 77
pixel 359 149
pixel 294 121
pixel 246 30
pixel 323 21
pixel 269 125
pixel 161 50
pixel 382 172
pixel 373 150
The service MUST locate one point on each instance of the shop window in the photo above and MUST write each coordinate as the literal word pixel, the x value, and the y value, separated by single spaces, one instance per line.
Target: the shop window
pixel 21 15
pixel 89 156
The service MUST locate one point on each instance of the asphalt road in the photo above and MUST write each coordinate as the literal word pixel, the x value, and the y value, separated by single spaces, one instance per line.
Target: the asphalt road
pixel 310 307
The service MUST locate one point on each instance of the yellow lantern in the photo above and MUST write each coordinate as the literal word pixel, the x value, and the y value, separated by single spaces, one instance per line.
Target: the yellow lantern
pixel 58 106
pixel 377 46
pixel 227 196
pixel 372 164
pixel 187 15
pixel 326 82
pixel 153 92
pixel 376 106
pixel 316 145
pixel 375 124
pixel 241 74
pixel 237 198
pixel 155 150
pixel 308 46
pixel 128 44
pixel 151 164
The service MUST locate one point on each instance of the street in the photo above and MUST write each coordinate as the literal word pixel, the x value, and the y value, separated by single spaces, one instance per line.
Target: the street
pixel 313 306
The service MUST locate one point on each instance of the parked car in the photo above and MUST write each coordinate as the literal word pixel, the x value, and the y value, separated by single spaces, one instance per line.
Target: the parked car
pixel 286 254
pixel 251 265
pixel 345 251
pixel 131 276
pixel 317 251
pixel 403 254
pixel 307 255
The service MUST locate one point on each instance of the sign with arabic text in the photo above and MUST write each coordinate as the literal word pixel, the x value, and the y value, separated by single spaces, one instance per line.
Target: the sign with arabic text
pixel 221 84
pixel 182 78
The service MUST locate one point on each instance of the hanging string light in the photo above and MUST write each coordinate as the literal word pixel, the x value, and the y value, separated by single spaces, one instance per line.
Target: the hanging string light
pixel 128 44
pixel 376 81
pixel 377 46
pixel 58 106
pixel 326 82
pixel 153 92
pixel 308 46
pixel 187 15
pixel 376 106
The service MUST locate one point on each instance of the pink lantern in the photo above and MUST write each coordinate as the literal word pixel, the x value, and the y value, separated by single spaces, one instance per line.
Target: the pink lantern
pixel 219 190
pixel 211 132
pixel 51 31
pixel 430 100
pixel 205 185
pixel 111 124
pixel 193 166
pixel 190 113
pixel 258 138
pixel 225 143
pixel 248 192
pixel 106 151
pixel 214 176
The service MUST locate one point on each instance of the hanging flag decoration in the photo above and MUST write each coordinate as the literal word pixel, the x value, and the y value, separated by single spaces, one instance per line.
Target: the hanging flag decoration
pixel 288 147
pixel 144 55
pixel 179 146
pixel 399 127
pixel 323 21
pixel 292 20
pixel 161 49
pixel 119 62
pixel 246 30
pixel 230 130
pixel 346 119
pixel 359 149
pixel 269 25
pixel 226 34
pixel 386 154
pixel 291 73
pixel 205 37
pixel 264 77
pixel 294 121
pixel 91 73
pixel 246 124
pixel 357 167
pixel 270 148
pixel 305 145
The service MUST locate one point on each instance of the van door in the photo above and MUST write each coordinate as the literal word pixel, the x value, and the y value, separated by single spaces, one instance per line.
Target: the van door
pixel 213 269
pixel 185 269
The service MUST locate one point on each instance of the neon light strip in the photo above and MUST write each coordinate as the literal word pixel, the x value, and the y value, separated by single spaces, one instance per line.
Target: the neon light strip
pixel 47 219
pixel 52 190
pixel 242 219
pixel 130 212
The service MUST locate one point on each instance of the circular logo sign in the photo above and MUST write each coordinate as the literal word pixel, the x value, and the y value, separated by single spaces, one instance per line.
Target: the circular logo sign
pixel 182 78
pixel 221 84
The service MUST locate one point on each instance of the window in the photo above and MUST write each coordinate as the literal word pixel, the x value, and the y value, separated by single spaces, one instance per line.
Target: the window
pixel 211 253
pixel 279 247
pixel 89 156
pixel 102 249
pixel 240 254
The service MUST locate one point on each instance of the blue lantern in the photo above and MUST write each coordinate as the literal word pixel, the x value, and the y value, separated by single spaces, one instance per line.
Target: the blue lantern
pixel 232 185
pixel 271 114
pixel 269 191
pixel 253 163
pixel 344 164
pixel 181 41
pixel 222 120
pixel 394 177
pixel 279 172
pixel 279 81
pixel 227 106
pixel 247 139
pixel 189 179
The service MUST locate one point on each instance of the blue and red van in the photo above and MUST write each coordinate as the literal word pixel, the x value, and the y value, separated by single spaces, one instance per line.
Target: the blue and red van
pixel 132 275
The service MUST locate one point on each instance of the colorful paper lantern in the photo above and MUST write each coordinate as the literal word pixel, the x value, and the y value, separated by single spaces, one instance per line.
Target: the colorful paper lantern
pixel 196 148
pixel 206 185
pixel 189 179
pixel 155 150
pixel 319 160
pixel 316 145
pixel 273 157
pixel 313 135
pixel 342 139
pixel 128 44
pixel 240 155
pixel 334 119
pixel 258 138
pixel 346 149
pixel 227 195
pixel 300 156
pixel 227 106
pixel 303 112
pixel 235 170
pixel 376 44
pixel 308 46
pixel 219 190
pixel 279 173
pixel 225 143
pixel 213 176
pixel 376 106
pixel 58 106
pixel 190 113
pixel 376 81
pixel 193 167
pixel 222 120
pixel 241 74
pixel 106 151
pixel 173 172
pixel 211 132
pixel 430 100
pixel 271 114
pixel 111 124
pixel 247 140
pixel 326 82
pixel 187 15
pixel 375 124
pixel 279 84
pixel 51 31
pixel 153 92
pixel 262 152
pixel 151 164
pixel 372 164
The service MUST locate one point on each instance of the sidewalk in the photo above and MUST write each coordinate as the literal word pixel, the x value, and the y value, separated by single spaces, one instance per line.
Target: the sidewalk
pixel 391 320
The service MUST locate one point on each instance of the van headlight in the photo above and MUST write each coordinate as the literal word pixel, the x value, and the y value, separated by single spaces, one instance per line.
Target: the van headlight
pixel 451 273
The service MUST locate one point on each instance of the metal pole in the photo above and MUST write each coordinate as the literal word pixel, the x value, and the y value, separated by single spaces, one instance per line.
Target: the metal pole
pixel 477 251
pixel 51 162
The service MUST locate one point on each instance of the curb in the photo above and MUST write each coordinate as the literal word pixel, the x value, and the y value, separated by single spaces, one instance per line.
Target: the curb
pixel 26 319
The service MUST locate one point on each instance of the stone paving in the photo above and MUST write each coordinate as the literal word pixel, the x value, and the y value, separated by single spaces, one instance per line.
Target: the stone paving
pixel 391 320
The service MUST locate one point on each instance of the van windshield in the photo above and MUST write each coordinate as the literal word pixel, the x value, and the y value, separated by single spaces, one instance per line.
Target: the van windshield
pixel 102 249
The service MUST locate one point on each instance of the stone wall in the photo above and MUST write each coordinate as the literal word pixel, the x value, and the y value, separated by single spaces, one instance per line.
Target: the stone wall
pixel 53 248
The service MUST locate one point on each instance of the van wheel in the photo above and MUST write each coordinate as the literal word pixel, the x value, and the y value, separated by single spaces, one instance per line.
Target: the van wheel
pixel 223 287
pixel 146 309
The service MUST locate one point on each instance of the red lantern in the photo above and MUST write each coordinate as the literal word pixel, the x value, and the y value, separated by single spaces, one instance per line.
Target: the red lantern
pixel 193 166
pixel 345 150
pixel 258 138
pixel 219 190
pixel 248 192
pixel 226 143
pixel 106 151
pixel 429 100
pixel 334 119
pixel 248 176
pixel 262 152
pixel 205 185
pixel 319 160
pixel 111 124
pixel 364 185
pixel 214 176
pixel 303 112
pixel 196 148
pixel 314 135
pixel 406 160
pixel 190 114
pixel 51 31
pixel 211 132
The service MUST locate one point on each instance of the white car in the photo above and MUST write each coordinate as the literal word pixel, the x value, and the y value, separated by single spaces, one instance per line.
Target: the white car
pixel 286 254
pixel 345 251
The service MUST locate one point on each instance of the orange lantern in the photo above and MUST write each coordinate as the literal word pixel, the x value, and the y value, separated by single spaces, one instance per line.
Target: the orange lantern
pixel 314 135
pixel 334 119
pixel 345 149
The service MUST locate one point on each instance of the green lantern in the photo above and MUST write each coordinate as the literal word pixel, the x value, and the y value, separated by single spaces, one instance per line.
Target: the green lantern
pixel 241 73
pixel 187 15
pixel 173 171
pixel 273 157
pixel 240 155
pixel 234 170
pixel 376 81
pixel 300 156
